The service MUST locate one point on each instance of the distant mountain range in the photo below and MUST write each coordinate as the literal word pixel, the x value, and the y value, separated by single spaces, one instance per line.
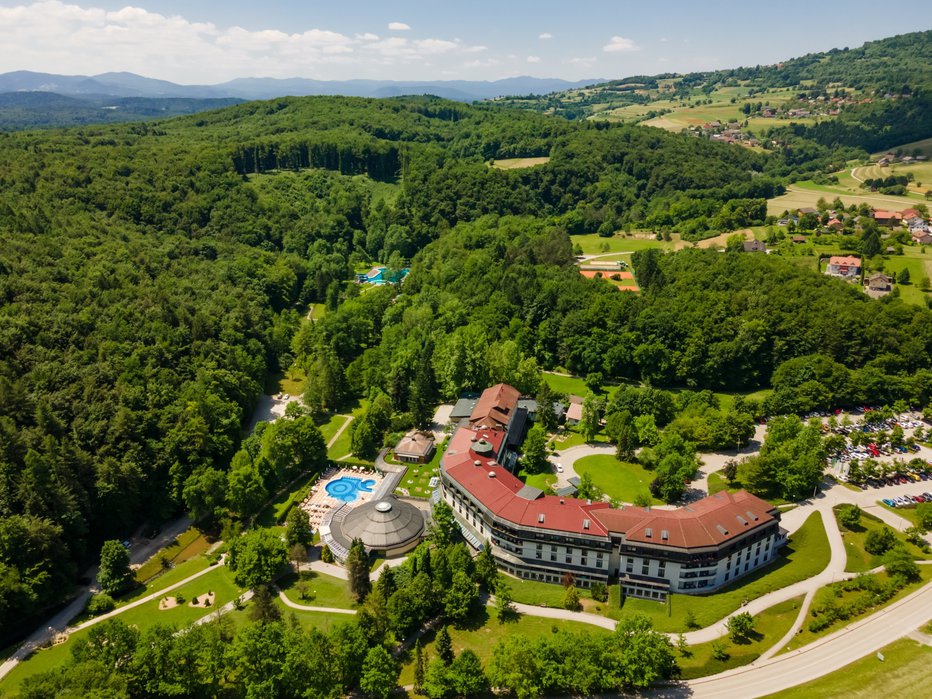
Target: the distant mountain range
pixel 132 85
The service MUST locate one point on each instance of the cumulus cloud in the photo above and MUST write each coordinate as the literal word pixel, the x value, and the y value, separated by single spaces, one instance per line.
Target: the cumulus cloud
pixel 58 37
pixel 533 59
pixel 619 44
pixel 545 36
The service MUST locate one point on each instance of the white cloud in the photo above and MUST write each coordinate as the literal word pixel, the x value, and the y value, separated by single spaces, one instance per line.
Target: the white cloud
pixel 60 36
pixel 619 44
pixel 584 61
pixel 398 27
pixel 432 46
pixel 545 35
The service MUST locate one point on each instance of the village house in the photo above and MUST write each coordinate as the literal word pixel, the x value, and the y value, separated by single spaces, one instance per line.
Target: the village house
pixel 754 246
pixel 844 266
pixel 878 284
pixel 887 218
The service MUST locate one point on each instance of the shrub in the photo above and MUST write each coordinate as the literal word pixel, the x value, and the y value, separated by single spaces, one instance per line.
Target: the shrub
pixel 720 651
pixel 100 603
pixel 879 541
pixel 571 599
pixel 179 599
pixel 599 592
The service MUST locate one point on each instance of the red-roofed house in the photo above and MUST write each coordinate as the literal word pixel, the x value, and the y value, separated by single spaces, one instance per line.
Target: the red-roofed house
pixel 844 266
pixel 652 552
pixel 496 407
pixel 910 214
pixel 887 218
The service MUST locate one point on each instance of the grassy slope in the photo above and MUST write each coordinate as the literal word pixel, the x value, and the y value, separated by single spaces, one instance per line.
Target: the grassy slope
pixel 859 560
pixel 769 627
pixel 903 673
pixel 324 590
pixel 219 581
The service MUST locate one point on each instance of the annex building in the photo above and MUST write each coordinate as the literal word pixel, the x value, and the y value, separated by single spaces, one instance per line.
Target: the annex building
pixel 651 552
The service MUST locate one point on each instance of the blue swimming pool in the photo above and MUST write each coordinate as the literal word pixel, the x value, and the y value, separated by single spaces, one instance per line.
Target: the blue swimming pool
pixel 347 488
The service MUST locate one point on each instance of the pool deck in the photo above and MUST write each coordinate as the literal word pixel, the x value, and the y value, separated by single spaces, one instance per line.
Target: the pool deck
pixel 319 502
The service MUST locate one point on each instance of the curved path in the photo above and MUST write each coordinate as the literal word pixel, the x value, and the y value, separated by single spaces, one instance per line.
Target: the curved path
pixel 306 608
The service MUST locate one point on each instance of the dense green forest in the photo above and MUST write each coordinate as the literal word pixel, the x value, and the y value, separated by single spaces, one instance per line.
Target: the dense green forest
pixel 152 275
pixel 33 110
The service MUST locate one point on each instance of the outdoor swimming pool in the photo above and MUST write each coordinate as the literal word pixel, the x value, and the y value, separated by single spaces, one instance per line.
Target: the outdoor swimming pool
pixel 347 488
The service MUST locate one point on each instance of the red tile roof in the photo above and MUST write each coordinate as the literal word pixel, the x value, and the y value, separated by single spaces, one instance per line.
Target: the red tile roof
pixel 887 215
pixel 845 260
pixel 495 407
pixel 499 492
pixel 708 522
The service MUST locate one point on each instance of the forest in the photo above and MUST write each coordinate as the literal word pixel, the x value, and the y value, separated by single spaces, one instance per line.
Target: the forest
pixel 153 275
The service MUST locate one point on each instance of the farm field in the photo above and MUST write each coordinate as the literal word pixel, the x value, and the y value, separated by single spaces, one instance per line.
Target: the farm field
pixel 921 172
pixel 924 146
pixel 517 163
pixel 808 193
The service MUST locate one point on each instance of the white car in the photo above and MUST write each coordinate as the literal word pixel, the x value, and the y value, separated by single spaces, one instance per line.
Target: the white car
pixel 559 468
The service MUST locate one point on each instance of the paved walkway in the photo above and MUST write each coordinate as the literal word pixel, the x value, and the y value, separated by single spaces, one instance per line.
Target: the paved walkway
pixel 336 436
pixel 306 608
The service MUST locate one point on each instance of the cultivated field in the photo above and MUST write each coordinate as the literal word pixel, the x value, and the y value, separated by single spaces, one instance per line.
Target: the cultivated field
pixel 516 163
pixel 924 146
pixel 804 194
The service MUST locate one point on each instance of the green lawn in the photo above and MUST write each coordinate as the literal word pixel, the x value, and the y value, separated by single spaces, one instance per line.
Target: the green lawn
pixel 769 627
pixel 416 480
pixel 717 484
pixel 617 479
pixel 189 544
pixel 540 594
pixel 570 437
pixel 904 672
pixel 859 560
pixel 594 244
pixel 322 590
pixel 567 385
pixel 342 446
pixel 806 555
pixel 835 594
pixel 907 513
pixel 483 631
pixel 331 426
pixel 220 581
pixel 540 480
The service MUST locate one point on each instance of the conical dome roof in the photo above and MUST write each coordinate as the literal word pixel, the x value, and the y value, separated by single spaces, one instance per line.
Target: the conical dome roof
pixel 384 524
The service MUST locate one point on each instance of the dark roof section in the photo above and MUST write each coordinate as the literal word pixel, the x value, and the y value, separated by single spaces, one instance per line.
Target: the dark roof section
pixel 382 525
pixel 529 492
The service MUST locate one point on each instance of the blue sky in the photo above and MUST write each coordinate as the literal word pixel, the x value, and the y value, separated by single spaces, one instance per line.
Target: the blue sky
pixel 207 41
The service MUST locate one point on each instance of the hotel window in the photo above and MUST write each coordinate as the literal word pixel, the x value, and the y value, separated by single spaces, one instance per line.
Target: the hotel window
pixel 662 568
pixel 645 567
pixel 553 556
pixel 629 566
pixel 583 560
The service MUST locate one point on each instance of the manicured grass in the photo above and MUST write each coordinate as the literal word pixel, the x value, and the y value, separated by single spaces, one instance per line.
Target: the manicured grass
pixel 904 672
pixel 806 555
pixel 594 244
pixel 189 544
pixel 827 593
pixel 322 621
pixel 322 590
pixel 717 484
pixel 275 512
pixel 416 481
pixel 517 163
pixel 617 479
pixel 540 594
pixel 332 426
pixel 571 437
pixel 220 581
pixel 859 560
pixel 482 632
pixel 167 578
pixel 540 480
pixel 769 627
pixel 567 385
pixel 907 513
pixel 342 446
